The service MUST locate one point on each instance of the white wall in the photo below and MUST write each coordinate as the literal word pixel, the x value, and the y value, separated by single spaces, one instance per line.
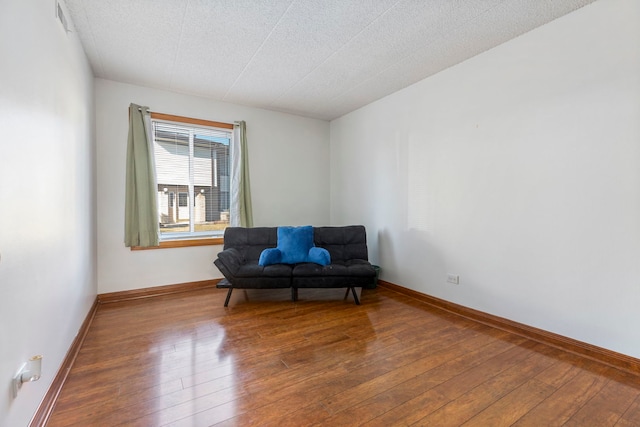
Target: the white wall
pixel 288 162
pixel 47 225
pixel 518 170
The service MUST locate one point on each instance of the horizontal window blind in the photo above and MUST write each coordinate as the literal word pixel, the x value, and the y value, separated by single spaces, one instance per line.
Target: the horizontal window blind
pixel 193 176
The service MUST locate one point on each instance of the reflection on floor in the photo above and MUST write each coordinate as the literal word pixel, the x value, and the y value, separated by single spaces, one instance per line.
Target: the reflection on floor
pixel 185 360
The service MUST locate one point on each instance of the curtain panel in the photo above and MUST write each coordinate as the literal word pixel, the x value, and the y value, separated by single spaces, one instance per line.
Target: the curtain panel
pixel 141 208
pixel 241 209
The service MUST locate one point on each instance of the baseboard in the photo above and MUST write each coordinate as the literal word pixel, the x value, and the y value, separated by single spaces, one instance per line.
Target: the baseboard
pixel 611 358
pixel 156 291
pixel 41 417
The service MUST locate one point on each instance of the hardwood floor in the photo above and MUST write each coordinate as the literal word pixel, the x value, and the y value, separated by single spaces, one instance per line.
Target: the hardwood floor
pixel 185 360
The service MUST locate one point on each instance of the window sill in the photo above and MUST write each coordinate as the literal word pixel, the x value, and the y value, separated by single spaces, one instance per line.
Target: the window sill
pixel 182 243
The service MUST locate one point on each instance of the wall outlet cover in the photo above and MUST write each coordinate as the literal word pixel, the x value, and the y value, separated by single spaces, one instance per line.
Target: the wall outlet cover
pixel 453 279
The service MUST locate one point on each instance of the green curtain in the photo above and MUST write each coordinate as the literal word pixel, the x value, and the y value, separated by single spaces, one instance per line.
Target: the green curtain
pixel 141 208
pixel 243 205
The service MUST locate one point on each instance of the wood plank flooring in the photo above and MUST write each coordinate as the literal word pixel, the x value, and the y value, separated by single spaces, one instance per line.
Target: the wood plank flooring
pixel 185 360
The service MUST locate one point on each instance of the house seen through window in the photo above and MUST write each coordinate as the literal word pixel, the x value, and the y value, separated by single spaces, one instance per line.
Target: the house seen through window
pixel 193 179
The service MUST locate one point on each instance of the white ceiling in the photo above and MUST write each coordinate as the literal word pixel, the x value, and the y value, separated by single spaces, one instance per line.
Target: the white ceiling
pixel 315 58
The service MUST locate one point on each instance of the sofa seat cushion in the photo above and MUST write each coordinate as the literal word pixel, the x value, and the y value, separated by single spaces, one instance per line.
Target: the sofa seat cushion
pixel 349 268
pixel 252 269
pixel 262 282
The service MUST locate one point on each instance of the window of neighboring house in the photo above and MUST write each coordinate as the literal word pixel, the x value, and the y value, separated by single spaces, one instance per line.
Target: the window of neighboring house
pixel 183 200
pixel 192 159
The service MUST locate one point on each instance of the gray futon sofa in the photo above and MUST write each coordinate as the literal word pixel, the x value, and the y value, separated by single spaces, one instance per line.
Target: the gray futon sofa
pixel 347 246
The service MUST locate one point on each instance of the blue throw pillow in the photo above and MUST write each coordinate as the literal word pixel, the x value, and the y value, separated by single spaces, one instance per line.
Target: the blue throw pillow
pixel 270 256
pixel 295 245
pixel 319 256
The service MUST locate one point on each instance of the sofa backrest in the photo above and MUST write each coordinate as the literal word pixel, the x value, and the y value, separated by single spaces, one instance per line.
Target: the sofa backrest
pixel 343 243
pixel 250 242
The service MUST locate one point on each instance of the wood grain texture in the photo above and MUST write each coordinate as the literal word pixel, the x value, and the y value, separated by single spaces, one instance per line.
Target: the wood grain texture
pixel 182 119
pixel 182 359
pixel 155 291
pixel 617 360
pixel 182 243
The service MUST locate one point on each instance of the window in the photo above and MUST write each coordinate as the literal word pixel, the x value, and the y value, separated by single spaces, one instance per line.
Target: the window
pixel 192 159
pixel 183 200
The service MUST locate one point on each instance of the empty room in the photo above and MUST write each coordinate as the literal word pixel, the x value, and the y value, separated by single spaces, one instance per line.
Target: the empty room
pixel 320 212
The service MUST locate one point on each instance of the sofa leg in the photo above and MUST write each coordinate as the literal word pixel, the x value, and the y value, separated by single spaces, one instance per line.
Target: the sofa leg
pixel 226 301
pixel 294 294
pixel 355 296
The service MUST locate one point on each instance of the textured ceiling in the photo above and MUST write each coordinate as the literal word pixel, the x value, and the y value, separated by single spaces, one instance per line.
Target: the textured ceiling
pixel 315 58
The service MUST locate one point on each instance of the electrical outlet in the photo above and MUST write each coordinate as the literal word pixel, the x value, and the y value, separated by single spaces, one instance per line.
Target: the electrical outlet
pixel 454 279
